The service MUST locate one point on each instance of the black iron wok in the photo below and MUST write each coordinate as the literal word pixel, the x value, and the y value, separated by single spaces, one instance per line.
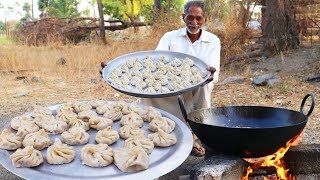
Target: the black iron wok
pixel 246 131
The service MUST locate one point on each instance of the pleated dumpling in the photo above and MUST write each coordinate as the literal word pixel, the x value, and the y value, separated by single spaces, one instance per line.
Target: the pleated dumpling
pixel 66 116
pixel 65 108
pixel 23 131
pixel 86 115
pixel 60 153
pixel 114 114
pixel 133 119
pixel 9 141
pixel 75 136
pixel 23 121
pixel 166 124
pixel 127 131
pixel 51 125
pixel 97 103
pixel 146 144
pixel 100 123
pixel 131 159
pixel 149 114
pixel 39 140
pixel 26 157
pixel 82 106
pixel 107 136
pixel 162 138
pixel 39 110
pixel 96 155
pixel 78 123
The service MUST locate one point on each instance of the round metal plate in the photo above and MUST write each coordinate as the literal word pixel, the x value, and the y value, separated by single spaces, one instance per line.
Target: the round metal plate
pixel 156 55
pixel 162 160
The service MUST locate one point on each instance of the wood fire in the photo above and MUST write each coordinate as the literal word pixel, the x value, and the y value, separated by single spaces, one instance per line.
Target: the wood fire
pixel 274 160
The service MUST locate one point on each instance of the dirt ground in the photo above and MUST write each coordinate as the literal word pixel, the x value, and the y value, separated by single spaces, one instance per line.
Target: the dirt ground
pixel 19 92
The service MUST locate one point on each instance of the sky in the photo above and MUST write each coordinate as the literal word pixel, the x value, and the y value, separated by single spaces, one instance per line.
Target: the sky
pixel 17 13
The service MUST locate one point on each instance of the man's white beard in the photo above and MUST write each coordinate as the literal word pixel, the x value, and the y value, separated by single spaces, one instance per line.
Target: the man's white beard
pixel 199 28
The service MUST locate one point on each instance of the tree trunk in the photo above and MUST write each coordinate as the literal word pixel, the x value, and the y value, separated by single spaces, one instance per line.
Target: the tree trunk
pixel 279 27
pixel 101 22
pixel 168 2
pixel 32 10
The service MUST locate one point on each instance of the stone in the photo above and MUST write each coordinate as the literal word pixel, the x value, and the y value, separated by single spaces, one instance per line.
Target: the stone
pixel 262 80
pixel 61 61
pixel 303 159
pixel 182 172
pixel 219 167
pixel 239 80
pixel 21 94
pixel 273 82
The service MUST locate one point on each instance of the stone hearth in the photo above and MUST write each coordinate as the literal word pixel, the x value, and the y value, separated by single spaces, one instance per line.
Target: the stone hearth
pixel 302 160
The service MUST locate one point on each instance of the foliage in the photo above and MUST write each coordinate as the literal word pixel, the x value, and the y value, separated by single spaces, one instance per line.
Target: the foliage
pixel 26 8
pixel 60 8
pixel 2 27
pixel 217 9
pixel 176 6
pixel 43 5
pixel 133 10
pixel 126 9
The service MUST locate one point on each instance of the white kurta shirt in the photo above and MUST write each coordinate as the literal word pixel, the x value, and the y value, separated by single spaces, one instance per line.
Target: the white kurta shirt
pixel 207 48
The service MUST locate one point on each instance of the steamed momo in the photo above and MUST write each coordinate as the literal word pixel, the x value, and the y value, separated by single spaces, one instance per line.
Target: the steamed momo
pixel 131 159
pixel 113 114
pixel 100 123
pixel 66 116
pixel 39 140
pixel 55 126
pixel 9 141
pixel 97 103
pixel 146 144
pixel 166 124
pixel 23 131
pixel 82 106
pixel 107 136
pixel 27 157
pixel 39 110
pixel 149 114
pixel 96 155
pixel 60 153
pixel 23 121
pixel 86 115
pixel 162 138
pixel 127 131
pixel 132 119
pixel 75 136
pixel 78 123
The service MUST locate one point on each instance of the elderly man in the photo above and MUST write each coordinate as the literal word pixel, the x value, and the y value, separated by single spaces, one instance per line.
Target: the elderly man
pixel 195 41
pixel 192 40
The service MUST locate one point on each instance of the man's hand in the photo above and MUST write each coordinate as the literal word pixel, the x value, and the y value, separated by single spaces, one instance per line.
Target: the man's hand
pixel 212 70
pixel 103 64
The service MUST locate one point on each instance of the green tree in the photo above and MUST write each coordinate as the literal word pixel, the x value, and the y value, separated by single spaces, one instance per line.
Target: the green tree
pixel 63 8
pixel 26 8
pixel 43 5
pixel 127 9
pixel 2 27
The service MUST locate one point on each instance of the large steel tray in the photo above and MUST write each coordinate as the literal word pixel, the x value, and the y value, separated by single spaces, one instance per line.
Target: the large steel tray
pixel 156 55
pixel 162 160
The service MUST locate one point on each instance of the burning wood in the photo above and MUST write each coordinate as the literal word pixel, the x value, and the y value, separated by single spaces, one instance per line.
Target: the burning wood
pixel 274 160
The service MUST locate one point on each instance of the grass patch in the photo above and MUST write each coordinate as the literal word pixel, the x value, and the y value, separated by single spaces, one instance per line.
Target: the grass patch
pixel 4 40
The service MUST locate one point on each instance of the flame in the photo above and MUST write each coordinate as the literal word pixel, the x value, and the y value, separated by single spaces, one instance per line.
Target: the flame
pixel 274 160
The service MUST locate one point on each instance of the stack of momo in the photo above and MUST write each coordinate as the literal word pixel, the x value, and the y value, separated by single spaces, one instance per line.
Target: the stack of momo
pixel 69 124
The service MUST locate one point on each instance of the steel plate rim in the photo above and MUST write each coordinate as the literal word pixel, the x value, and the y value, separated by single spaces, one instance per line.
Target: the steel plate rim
pixel 183 149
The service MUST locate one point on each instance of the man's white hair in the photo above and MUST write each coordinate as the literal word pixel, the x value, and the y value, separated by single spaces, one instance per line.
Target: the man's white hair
pixel 197 3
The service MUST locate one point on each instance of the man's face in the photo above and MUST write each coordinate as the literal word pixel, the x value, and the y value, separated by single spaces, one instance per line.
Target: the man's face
pixel 194 19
